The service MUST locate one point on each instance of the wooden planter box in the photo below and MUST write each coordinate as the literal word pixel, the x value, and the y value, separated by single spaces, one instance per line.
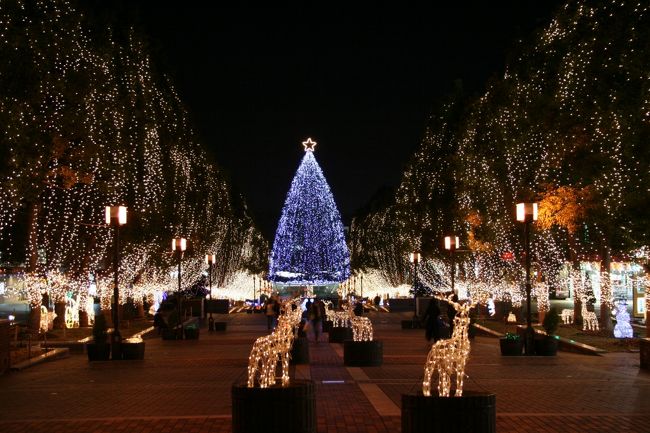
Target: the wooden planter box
pixel 5 341
pixel 411 324
pixel 275 409
pixel 511 347
pixel 546 346
pixel 98 352
pixel 473 412
pixel 338 334
pixel 300 351
pixel 132 350
pixel 644 353
pixel 363 353
pixel 191 333
pixel 171 334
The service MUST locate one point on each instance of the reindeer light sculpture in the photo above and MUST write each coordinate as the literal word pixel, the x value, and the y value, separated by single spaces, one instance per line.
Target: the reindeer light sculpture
pixel 361 328
pixel 330 314
pixel 449 356
pixel 270 349
pixel 589 319
pixel 567 316
pixel 342 318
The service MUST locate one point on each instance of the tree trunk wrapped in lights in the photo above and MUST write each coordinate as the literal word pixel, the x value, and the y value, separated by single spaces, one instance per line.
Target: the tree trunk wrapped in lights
pixel 103 129
pixel 566 124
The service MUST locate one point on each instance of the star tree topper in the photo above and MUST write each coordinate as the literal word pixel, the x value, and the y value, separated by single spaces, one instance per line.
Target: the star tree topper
pixel 309 145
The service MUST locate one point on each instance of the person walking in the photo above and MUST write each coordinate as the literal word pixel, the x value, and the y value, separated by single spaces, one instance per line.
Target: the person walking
pixel 318 312
pixel 451 314
pixel 269 310
pixel 431 321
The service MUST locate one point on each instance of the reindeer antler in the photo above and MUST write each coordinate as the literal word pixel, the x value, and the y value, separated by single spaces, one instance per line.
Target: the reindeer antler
pixel 464 307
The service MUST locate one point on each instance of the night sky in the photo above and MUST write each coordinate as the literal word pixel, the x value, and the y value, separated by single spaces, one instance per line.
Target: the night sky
pixel 258 81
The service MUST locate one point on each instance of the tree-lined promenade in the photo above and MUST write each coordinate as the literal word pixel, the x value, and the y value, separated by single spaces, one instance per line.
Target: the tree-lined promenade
pixel 566 127
pixel 89 122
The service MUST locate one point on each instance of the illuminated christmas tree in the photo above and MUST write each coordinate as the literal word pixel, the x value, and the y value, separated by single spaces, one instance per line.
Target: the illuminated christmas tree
pixel 309 245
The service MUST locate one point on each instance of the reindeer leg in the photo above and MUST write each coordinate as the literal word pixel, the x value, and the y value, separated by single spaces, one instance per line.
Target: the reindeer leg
pixel 460 376
pixel 429 368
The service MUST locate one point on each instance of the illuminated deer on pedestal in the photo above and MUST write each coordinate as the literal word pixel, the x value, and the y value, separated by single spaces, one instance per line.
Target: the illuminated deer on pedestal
pixel 449 356
pixel 270 349
pixel 589 319
pixel 567 316
pixel 361 328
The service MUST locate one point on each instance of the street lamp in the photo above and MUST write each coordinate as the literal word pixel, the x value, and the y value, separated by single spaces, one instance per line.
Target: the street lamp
pixel 415 259
pixel 527 213
pixel 179 245
pixel 451 244
pixel 210 259
pixel 116 217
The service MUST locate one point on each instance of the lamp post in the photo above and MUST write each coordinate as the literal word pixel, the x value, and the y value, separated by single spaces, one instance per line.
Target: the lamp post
pixel 415 259
pixel 451 244
pixel 116 217
pixel 210 259
pixel 527 213
pixel 179 245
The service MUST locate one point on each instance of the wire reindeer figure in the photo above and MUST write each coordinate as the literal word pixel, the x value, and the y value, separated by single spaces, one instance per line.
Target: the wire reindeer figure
pixel 448 357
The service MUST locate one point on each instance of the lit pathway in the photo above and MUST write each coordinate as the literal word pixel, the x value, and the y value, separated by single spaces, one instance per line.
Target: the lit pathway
pixel 185 387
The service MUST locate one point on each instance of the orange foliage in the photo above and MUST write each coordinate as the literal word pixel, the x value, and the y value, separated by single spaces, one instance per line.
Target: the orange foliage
pixel 564 207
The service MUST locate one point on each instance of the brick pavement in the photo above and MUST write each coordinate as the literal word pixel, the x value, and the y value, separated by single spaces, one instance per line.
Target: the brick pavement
pixel 185 387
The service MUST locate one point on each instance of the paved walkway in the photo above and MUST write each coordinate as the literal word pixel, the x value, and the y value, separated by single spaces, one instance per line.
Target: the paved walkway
pixel 184 386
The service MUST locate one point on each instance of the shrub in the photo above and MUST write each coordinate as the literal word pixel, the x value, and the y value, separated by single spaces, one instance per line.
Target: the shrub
pixel 551 321
pixel 99 329
pixel 511 336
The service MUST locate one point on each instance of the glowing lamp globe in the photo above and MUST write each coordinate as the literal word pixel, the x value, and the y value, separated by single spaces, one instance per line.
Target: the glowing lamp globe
pixel 116 215
pixel 179 244
pixel 451 243
pixel 526 212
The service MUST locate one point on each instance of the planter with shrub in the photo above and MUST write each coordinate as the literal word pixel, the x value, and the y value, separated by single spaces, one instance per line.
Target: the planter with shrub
pixel 191 331
pixel 99 349
pixel 511 345
pixel 547 345
pixel 133 348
